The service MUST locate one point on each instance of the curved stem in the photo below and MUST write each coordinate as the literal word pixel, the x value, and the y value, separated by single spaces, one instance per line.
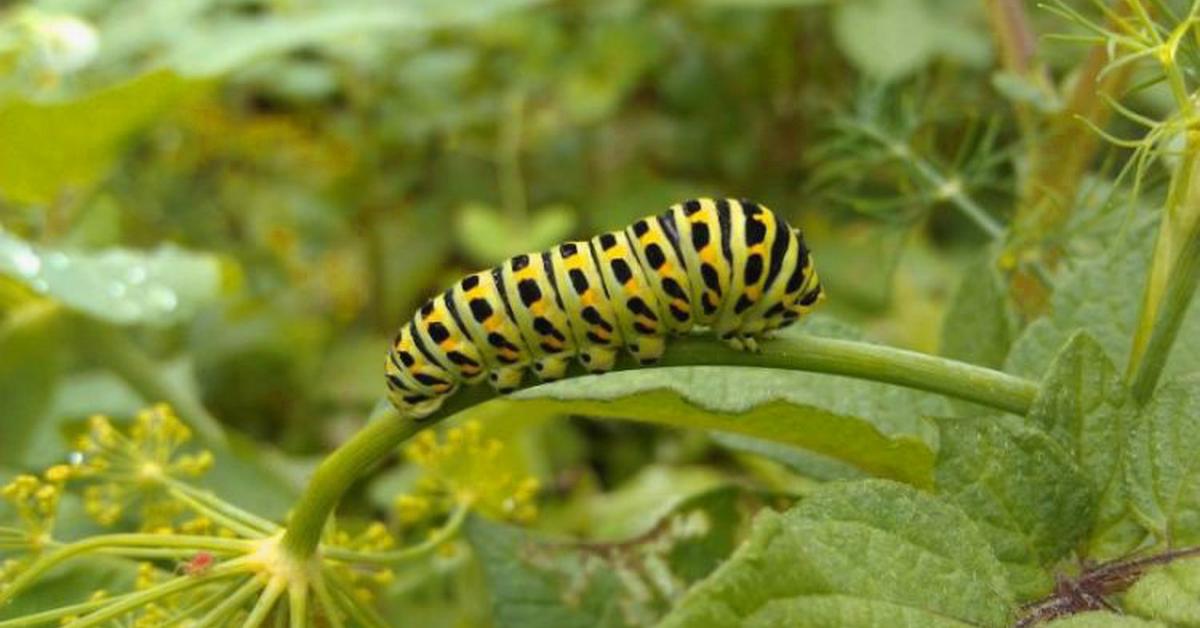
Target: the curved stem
pixel 441 535
pixel 386 429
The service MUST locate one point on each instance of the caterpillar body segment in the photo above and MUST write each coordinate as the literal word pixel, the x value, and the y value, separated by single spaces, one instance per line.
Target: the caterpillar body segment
pixel 733 267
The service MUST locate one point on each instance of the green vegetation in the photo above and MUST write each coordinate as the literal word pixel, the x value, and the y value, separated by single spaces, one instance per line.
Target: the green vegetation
pixel 216 212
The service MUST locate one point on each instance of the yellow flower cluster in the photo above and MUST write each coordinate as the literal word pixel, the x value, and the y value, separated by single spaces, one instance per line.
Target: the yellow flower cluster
pixel 365 579
pixel 35 501
pixel 136 469
pixel 465 469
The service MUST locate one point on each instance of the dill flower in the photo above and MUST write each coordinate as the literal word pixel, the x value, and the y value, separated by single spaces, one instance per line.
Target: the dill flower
pixel 137 469
pixel 464 468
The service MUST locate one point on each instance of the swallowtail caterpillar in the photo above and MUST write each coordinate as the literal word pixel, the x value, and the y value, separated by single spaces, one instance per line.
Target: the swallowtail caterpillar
pixel 732 267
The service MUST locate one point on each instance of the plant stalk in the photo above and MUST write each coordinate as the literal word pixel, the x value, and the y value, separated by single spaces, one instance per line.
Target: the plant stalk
pixel 1180 288
pixel 386 428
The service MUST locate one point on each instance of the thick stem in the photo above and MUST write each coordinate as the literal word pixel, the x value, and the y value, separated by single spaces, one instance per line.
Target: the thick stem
pixel 387 428
pixel 109 346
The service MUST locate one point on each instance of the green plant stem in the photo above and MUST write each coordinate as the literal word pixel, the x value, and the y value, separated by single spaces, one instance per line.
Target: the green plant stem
pixel 171 587
pixel 443 534
pixel 109 346
pixel 297 606
pixel 265 603
pixel 110 541
pixel 386 429
pixel 223 513
pixel 1180 289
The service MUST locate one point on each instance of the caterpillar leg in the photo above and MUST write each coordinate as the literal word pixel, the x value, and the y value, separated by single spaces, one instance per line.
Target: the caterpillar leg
pixel 741 342
pixel 415 405
pixel 506 379
pixel 648 349
pixel 598 359
pixel 552 367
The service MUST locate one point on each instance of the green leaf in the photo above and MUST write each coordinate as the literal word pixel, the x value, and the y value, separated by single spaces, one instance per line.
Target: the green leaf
pixel 1164 469
pixel 53 148
pixel 1084 406
pixel 979 327
pixel 1170 593
pixel 30 367
pixel 1024 491
pixel 801 461
pixel 217 47
pixel 488 236
pixel 537 581
pixel 867 553
pixel 1103 619
pixel 874 427
pixel 645 498
pixel 1101 297
pixel 886 39
pixel 121 286
pixel 72 583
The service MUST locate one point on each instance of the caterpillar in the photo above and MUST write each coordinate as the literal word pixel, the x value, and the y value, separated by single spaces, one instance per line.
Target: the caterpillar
pixel 731 266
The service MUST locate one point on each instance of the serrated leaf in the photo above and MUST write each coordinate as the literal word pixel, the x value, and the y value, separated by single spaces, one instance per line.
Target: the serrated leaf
pixel 51 148
pixel 121 286
pixel 877 428
pixel 1084 406
pixel 30 367
pixel 1164 469
pixel 1101 296
pixel 536 581
pixel 867 553
pixel 1170 593
pixel 1024 491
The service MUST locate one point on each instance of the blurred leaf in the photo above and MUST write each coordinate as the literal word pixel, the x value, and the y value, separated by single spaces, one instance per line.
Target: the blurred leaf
pixel 890 39
pixel 1170 593
pixel 1163 477
pixel 886 39
pixel 78 396
pixel 72 583
pixel 1102 296
pixel 1084 406
pixel 537 581
pixel 1103 619
pixel 1022 489
pixel 31 360
pixel 214 48
pixel 866 553
pixel 979 327
pixel 117 285
pixel 656 490
pixel 798 460
pixel 874 427
pixel 488 236
pixel 751 4
pixel 52 148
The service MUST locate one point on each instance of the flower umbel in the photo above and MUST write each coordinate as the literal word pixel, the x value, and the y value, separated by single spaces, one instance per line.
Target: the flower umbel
pixel 136 469
pixel 464 469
